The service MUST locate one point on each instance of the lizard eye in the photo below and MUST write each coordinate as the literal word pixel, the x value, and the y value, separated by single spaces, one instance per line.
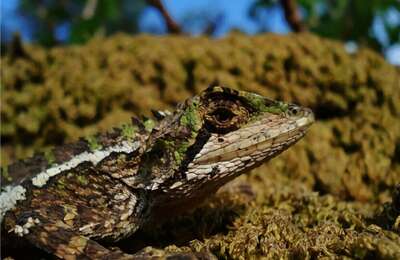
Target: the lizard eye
pixel 224 112
pixel 223 119
pixel 222 115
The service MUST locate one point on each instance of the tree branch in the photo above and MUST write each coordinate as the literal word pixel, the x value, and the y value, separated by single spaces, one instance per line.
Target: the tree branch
pixel 292 15
pixel 89 9
pixel 172 26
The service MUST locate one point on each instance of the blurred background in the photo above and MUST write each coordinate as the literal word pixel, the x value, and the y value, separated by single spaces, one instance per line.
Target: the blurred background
pixel 358 23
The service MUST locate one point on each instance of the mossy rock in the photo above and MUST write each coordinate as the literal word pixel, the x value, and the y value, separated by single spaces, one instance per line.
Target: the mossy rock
pixel 318 199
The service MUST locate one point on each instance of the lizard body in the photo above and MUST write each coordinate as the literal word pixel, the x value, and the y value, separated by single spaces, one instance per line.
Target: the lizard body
pixel 108 187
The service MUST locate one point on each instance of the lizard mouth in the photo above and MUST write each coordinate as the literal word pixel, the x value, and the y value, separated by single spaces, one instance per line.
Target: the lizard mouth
pixel 260 140
pixel 307 119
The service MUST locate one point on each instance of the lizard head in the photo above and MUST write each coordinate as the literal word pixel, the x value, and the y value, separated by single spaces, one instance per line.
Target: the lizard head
pixel 217 135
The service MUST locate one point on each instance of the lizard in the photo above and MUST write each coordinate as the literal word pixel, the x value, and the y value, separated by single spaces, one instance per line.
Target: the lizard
pixel 105 188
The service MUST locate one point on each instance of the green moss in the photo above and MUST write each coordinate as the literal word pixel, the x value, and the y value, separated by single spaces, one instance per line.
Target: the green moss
pixel 258 102
pixel 61 184
pixel 129 131
pixel 5 174
pixel 180 152
pixel 82 180
pixel 49 155
pixel 93 143
pixel 191 117
pixel 70 209
pixel 149 124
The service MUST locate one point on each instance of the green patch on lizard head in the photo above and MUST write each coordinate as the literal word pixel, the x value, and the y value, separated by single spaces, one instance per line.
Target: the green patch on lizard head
pixel 191 117
pixel 225 110
pixel 222 110
pixel 261 104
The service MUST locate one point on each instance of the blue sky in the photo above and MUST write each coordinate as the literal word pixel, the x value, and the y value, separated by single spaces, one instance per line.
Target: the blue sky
pixel 235 15
pixel 231 14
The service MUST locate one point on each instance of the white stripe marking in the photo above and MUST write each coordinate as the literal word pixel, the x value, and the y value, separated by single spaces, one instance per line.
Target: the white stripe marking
pixel 13 194
pixel 94 157
pixel 9 198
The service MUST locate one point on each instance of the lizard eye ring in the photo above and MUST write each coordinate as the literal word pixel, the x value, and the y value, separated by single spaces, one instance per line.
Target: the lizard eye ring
pixel 223 119
pixel 222 115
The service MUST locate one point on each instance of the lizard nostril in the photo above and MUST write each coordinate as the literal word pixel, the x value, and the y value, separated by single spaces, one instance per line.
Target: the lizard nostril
pixel 294 111
pixel 221 139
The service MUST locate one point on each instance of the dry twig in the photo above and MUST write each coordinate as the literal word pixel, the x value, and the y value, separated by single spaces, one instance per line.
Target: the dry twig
pixel 292 15
pixel 172 26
